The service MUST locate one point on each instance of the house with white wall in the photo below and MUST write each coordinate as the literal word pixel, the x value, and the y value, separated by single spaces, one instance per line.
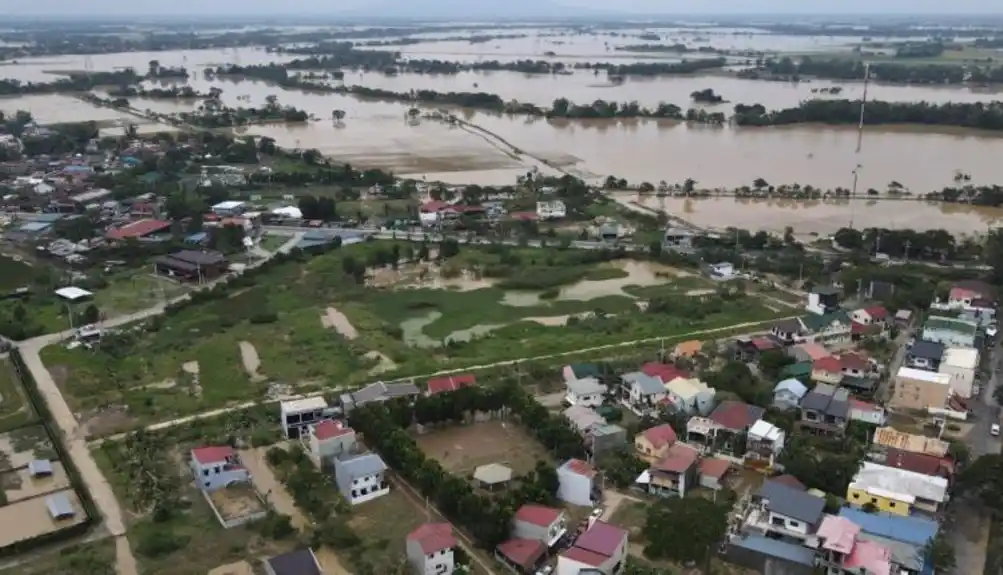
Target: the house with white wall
pixel 540 523
pixel 216 467
pixel 691 395
pixel 961 363
pixel 602 549
pixel 361 478
pixel 578 483
pixel 552 210
pixel 329 439
pixel 587 392
pixel 299 414
pixel 430 549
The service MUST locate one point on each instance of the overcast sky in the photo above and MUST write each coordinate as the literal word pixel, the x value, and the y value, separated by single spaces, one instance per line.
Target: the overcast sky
pixel 333 7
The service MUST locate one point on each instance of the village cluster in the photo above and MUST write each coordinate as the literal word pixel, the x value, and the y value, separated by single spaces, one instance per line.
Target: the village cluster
pixel 883 523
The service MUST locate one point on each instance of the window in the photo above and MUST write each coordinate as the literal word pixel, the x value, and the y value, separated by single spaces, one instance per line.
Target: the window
pixel 205 473
pixel 891 504
pixel 856 496
pixel 778 521
pixel 355 493
pixel 874 500
pixel 792 523
pixel 355 482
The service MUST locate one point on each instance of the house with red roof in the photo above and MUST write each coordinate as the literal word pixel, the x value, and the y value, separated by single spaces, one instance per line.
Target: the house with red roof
pixel 216 467
pixel 600 549
pixel 546 524
pixel 675 473
pixel 449 383
pixel 663 371
pixel 430 548
pixel 713 471
pixel 871 315
pixel 827 370
pixel 138 229
pixel 654 443
pixel 578 483
pixel 329 439
pixel 522 556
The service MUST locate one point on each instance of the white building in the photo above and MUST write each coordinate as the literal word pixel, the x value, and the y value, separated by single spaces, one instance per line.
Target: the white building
pixel 361 478
pixel 765 440
pixel 691 396
pixel 430 549
pixel 961 363
pixel 587 392
pixel 216 467
pixel 298 414
pixel 229 208
pixel 721 271
pixel 552 210
pixel 540 523
pixel 577 483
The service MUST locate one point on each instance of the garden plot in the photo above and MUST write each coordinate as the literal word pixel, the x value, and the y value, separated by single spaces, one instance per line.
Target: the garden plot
pixel 19 484
pixel 236 504
pixel 460 449
pixel 30 518
pixel 20 447
pixel 338 321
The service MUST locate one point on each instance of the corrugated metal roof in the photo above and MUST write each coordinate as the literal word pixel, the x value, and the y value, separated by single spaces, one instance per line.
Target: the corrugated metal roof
pixel 59 505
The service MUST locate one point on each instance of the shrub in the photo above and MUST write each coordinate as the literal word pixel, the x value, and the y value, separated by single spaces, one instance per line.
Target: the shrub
pixel 159 540
pixel 265 317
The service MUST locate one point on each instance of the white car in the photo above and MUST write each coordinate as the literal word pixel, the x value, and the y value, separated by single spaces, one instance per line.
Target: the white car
pixel 995 430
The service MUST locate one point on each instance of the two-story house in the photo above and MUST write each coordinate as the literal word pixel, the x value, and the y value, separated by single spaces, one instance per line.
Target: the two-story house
pixel 300 414
pixel 871 315
pixel 600 550
pixel 925 355
pixel 329 439
pixel 789 331
pixel 672 475
pixel 430 549
pixel 577 483
pixel 361 478
pixel 827 370
pixel 642 393
pixel 654 443
pixel 216 467
pixel 841 550
pixel 541 523
pixel 907 538
pixel 731 419
pixel 897 491
pixel 825 410
pixel 920 389
pixel 785 512
pixel 587 392
pixel 690 395
pixel 830 328
pixel 764 442
pixel 788 394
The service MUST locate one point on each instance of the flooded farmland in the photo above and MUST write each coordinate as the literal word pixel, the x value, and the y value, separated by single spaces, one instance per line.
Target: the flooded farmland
pixel 495 149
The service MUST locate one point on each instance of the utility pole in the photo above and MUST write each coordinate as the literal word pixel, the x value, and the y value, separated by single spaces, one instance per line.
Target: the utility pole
pixel 907 244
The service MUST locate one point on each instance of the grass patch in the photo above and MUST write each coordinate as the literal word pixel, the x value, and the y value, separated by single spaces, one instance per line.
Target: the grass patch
pixel 15 411
pixel 94 558
pixel 271 242
pixel 136 290
pixel 14 274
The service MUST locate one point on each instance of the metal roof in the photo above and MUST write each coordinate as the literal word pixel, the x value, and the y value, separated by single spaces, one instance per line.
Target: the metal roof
pixel 299 562
pixel 59 505
pixel 913 530
pixel 40 467
pixel 791 502
pixel 775 548
pixel 493 473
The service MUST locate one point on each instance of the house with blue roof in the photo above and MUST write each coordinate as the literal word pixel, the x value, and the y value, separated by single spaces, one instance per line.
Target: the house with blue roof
pixel 904 536
pixel 788 394
pixel 768 555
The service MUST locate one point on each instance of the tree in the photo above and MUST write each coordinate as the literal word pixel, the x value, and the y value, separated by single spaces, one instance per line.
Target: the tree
pixel 772 362
pixel 685 530
pixel 994 255
pixel 939 553
pixel 91 314
pixel 689 185
pixel 337 115
pixel 760 183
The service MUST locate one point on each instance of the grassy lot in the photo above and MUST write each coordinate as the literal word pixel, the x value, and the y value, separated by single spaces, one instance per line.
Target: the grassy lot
pixel 280 315
pixel 95 558
pixel 271 242
pixel 131 291
pixel 383 525
pixel 15 411
pixel 14 274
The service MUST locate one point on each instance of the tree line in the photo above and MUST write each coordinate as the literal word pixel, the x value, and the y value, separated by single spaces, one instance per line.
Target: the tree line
pixel 979 115
pixel 788 68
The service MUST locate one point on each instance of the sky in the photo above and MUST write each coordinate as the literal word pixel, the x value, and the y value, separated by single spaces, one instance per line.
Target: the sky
pixel 652 7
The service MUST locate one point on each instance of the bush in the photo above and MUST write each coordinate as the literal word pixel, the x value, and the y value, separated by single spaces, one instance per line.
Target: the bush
pixel 265 317
pixel 551 293
pixel 276 526
pixel 158 540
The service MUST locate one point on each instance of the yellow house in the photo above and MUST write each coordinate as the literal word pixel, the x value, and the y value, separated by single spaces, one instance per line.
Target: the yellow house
pixel 885 501
pixel 897 491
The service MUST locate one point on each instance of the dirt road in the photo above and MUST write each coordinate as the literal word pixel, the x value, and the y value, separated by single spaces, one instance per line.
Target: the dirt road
pixel 275 493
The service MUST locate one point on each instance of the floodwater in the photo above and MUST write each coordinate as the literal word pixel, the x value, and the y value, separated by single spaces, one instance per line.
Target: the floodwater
pixel 414 336
pixel 825 217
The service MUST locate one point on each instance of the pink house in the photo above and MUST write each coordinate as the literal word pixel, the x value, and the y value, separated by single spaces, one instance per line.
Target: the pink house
pixel 841 548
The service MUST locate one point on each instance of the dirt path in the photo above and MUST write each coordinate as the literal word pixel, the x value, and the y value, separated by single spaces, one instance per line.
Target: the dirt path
pixel 337 320
pixel 275 493
pixel 249 356
pixel 386 364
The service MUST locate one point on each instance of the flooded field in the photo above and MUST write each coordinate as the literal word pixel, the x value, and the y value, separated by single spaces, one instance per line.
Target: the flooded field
pixel 825 217
pixel 30 518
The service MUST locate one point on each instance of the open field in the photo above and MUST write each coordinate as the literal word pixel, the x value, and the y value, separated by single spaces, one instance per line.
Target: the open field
pixel 20 446
pixel 488 305
pixel 14 274
pixel 132 291
pixel 460 449
pixel 30 518
pixel 383 525
pixel 14 409
pixel 93 558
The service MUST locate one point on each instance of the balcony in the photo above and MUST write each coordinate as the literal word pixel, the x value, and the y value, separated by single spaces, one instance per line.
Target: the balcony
pixel 758 519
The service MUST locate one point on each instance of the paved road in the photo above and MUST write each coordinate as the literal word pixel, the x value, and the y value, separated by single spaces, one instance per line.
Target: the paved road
pixel 75 438
pixel 970 530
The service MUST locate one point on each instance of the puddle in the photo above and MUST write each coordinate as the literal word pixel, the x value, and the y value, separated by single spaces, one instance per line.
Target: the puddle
pixel 521 299
pixel 416 337
pixel 638 274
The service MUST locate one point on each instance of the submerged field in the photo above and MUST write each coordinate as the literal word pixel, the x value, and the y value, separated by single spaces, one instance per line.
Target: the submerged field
pixel 306 325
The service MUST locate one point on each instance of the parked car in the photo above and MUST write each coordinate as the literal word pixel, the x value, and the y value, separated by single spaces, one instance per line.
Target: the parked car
pixel 995 430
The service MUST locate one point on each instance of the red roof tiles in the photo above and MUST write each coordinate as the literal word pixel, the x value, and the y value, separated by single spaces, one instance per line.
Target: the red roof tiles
pixel 585 556
pixel 450 383
pixel 581 468
pixel 538 515
pixel 602 538
pixel 790 481
pixel 876 312
pixel 663 371
pixel 329 429
pixel 523 552
pixel 714 467
pixel 660 435
pixel 679 459
pixel 827 364
pixel 210 455
pixel 433 537
pixel 919 462
pixel 735 415
pixel 854 361
pixel 138 229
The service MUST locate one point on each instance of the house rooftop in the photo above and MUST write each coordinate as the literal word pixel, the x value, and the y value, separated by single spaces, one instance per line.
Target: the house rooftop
pixel 923 375
pixel 791 385
pixel 931 350
pixel 493 473
pixel 663 371
pixel 764 430
pixel 774 548
pixel 714 467
pixel 451 383
pixel 907 529
pixel 304 404
pixel 299 562
pixel 579 467
pixel 951 324
pixel 687 388
pixel 869 557
pixel 602 538
pixel 735 415
pixel 586 386
pixel 792 502
pixel 680 458
pixel 138 229
pixel 359 466
pixel 813 350
pixel 828 399
pixel 329 429
pixel 433 537
pixel 891 437
pixel 71 293
pixel 899 483
pixel 660 435
pixel 838 534
pixel 917 462
pixel 647 384
pixel 525 553
pixel 210 455
pixel 585 556
pixel 827 364
pixel 540 515
pixel 789 481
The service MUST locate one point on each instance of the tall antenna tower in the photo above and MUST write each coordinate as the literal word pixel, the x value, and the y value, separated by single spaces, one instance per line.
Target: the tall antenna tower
pixel 860 141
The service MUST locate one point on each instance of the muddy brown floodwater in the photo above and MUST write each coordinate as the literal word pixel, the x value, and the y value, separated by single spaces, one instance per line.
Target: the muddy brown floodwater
pixel 825 217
